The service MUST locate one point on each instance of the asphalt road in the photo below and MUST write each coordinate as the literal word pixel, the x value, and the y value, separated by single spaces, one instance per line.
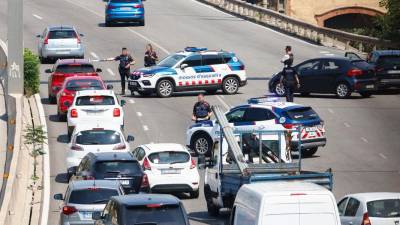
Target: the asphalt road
pixel 362 149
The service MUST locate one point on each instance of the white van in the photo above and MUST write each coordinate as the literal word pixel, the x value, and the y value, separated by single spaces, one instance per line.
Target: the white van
pixel 284 203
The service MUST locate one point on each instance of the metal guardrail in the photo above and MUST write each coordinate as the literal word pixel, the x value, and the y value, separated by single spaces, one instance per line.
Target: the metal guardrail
pixel 299 28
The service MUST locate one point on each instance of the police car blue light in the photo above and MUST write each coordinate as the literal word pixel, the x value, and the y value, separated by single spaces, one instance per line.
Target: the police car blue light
pixel 195 49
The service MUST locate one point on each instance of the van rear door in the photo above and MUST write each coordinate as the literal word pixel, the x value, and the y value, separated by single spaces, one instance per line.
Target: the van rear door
pixel 282 210
pixel 317 209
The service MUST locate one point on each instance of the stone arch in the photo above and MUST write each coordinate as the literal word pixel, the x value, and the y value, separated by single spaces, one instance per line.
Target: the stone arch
pixel 321 18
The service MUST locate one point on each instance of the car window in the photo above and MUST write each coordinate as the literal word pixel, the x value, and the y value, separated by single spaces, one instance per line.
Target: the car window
pixel 171 60
pixel 75 68
pixel 329 65
pixel 226 57
pixel 341 206
pixel 258 114
pixel 114 214
pixel 236 115
pixel 62 34
pixel 157 214
pixel 168 157
pixel 386 208
pixel 212 60
pixel 361 64
pixel 81 166
pixel 140 154
pixel 301 114
pixel 95 100
pixel 112 168
pixel 194 60
pixel 352 207
pixel 98 137
pixel 92 195
pixel 309 65
pixel 83 84
pixel 389 61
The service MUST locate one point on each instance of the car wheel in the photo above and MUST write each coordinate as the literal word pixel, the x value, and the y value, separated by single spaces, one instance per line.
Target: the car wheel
pixel 108 23
pixel 365 94
pixel 230 85
pixel 52 99
pixel 308 152
pixel 202 144
pixel 279 89
pixel 61 117
pixel 165 89
pixel 343 90
pixel 195 194
pixel 212 209
pixel 142 23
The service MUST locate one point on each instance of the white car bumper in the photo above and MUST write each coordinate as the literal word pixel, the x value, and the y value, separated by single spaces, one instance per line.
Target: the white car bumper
pixel 174 182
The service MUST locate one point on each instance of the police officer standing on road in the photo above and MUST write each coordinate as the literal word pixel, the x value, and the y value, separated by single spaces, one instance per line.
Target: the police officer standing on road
pixel 289 78
pixel 124 68
pixel 150 56
pixel 201 110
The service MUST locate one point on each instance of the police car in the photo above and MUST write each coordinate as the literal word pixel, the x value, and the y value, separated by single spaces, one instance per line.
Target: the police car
pixel 201 136
pixel 188 70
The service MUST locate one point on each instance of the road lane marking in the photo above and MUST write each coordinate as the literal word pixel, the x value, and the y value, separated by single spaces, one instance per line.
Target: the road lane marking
pixel 110 72
pixel 324 52
pixel 331 111
pixel 382 155
pixel 131 101
pixel 346 124
pixel 330 54
pixel 94 55
pixel 139 114
pixel 37 16
pixel 222 96
pixel 364 139
pixel 227 107
pixel 145 128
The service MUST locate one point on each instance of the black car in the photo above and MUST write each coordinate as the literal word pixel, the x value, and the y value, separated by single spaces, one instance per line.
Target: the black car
pixel 387 67
pixel 121 166
pixel 146 209
pixel 337 75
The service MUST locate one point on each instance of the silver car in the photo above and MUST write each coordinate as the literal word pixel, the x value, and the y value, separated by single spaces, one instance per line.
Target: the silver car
pixel 84 197
pixel 60 42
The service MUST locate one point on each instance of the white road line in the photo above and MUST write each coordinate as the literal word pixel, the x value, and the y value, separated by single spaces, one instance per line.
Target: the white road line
pixel 330 54
pixel 364 139
pixel 331 111
pixel 222 96
pixel 346 125
pixel 382 155
pixel 110 72
pixel 131 101
pixel 324 52
pixel 94 55
pixel 145 128
pixel 139 114
pixel 223 102
pixel 37 16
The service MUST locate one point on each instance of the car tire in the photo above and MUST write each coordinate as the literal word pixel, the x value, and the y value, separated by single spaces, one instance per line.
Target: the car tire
pixel 142 23
pixel 165 89
pixel 61 117
pixel 70 130
pixel 52 99
pixel 278 89
pixel 365 94
pixel 343 90
pixel 212 91
pixel 308 152
pixel 108 23
pixel 202 144
pixel 230 85
pixel 42 60
pixel 195 194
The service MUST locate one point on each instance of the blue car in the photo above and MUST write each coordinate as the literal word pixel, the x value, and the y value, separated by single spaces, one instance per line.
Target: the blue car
pixel 124 11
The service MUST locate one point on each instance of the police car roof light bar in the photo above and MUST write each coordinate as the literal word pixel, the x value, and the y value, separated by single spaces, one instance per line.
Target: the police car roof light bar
pixel 195 49
pixel 264 99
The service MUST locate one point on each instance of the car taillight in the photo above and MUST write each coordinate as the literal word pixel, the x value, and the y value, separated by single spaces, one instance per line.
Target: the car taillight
pixel 138 6
pixel 68 210
pixel 117 112
pixel 76 148
pixel 74 113
pixel 120 147
pixel 290 126
pixel 354 72
pixel 146 164
pixel 89 178
pixel 365 220
pixel 151 206
pixel 46 40
pixel 145 181
pixel 193 164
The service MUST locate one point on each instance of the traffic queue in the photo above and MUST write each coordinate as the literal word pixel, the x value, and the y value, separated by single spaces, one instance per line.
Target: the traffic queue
pixel 110 181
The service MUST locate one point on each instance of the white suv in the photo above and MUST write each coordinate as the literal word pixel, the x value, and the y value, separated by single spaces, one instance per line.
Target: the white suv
pixel 95 105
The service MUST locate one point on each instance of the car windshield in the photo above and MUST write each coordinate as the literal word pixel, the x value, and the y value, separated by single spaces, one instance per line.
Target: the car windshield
pixel 118 167
pixel 386 208
pixel 62 34
pixel 84 84
pixel 98 137
pixel 389 61
pixel 92 196
pixel 72 68
pixel 302 114
pixel 169 157
pixel 95 100
pixel 155 214
pixel 171 60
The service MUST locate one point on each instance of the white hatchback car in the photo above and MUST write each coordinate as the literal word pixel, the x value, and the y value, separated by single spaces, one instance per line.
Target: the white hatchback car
pixel 95 106
pixel 169 168
pixel 379 208
pixel 98 137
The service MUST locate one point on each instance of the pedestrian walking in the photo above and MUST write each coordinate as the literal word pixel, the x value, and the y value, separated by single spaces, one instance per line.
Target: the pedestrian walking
pixel 150 56
pixel 124 68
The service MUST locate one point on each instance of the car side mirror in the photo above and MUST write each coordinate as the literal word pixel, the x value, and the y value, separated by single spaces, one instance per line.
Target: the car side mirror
pixel 72 171
pixel 130 138
pixel 96 216
pixel 184 65
pixel 58 196
pixel 123 102
pixel 48 71
pixel 110 87
pixel 98 70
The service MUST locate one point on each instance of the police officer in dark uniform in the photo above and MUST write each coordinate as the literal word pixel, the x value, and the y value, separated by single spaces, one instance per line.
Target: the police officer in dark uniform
pixel 289 78
pixel 201 110
pixel 124 68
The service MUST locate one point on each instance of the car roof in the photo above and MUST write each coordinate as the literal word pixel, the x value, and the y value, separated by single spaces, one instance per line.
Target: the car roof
pixel 107 156
pixel 61 27
pixel 73 61
pixel 372 196
pixel 270 105
pixel 99 124
pixel 146 199
pixel 81 184
pixel 161 147
pixel 282 188
pixel 387 52
pixel 95 92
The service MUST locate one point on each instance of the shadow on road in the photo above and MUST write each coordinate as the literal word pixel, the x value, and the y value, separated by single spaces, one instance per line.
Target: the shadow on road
pixel 62 178
pixel 54 118
pixel 132 24
pixel 203 217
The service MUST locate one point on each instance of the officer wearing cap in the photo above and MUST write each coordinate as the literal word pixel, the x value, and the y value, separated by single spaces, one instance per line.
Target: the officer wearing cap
pixel 201 110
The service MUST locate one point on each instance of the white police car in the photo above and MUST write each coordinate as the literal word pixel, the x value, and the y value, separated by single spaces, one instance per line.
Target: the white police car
pixel 258 112
pixel 191 69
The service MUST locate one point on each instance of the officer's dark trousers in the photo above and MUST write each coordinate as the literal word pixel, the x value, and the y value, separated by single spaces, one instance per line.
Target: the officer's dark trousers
pixel 289 89
pixel 123 74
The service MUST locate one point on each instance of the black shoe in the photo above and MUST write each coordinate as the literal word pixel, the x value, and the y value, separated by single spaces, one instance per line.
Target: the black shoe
pixel 123 92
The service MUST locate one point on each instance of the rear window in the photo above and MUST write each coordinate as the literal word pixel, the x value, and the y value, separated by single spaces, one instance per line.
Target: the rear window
pixel 92 196
pixel 98 137
pixel 361 64
pixel 301 114
pixel 72 68
pixel 95 100
pixel 169 157
pixel 389 61
pixel 118 167
pixel 384 208
pixel 164 215
pixel 87 84
pixel 62 34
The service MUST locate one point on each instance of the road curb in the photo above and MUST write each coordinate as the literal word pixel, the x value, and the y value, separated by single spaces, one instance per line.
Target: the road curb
pixel 44 217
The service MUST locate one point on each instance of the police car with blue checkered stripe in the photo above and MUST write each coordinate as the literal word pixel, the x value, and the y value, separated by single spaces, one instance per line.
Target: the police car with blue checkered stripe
pixel 188 70
pixel 257 114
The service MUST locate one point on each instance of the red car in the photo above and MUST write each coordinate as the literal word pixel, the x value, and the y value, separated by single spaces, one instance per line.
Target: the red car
pixel 66 68
pixel 73 84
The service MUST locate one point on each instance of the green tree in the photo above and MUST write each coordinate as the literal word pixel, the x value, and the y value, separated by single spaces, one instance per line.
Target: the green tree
pixel 390 22
pixel 31 73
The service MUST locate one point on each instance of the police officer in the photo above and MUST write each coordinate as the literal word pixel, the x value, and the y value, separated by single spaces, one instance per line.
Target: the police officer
pixel 124 68
pixel 201 110
pixel 150 56
pixel 289 78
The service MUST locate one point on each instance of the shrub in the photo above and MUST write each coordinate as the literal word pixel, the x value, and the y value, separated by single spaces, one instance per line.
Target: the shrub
pixel 31 73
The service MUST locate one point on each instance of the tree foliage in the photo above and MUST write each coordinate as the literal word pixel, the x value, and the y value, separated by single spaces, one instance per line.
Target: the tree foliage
pixel 31 73
pixel 390 22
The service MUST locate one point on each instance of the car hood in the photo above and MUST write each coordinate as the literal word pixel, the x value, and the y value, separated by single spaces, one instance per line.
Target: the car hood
pixel 156 70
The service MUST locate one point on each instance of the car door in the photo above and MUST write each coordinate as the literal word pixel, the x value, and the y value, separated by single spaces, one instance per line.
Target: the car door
pixel 213 68
pixel 350 216
pixel 188 70
pixel 307 73
pixel 331 70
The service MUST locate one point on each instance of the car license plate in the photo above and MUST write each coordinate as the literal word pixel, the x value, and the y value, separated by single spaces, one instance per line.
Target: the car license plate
pixel 170 171
pixel 308 129
pixel 92 113
pixel 125 8
pixel 62 52
pixel 393 71
pixel 87 215
pixel 124 182
pixel 371 86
